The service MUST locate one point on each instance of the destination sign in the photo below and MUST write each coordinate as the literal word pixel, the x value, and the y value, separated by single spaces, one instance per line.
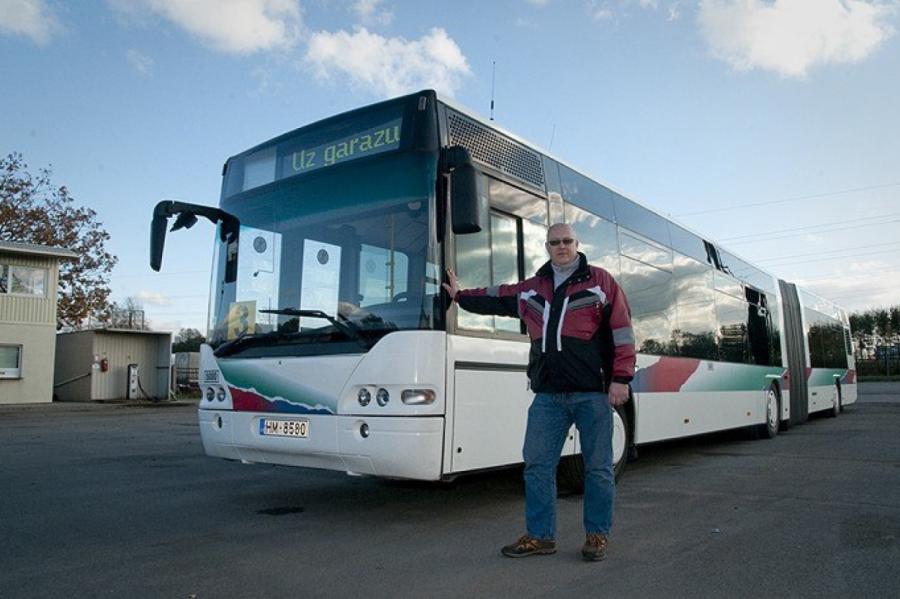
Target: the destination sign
pixel 374 140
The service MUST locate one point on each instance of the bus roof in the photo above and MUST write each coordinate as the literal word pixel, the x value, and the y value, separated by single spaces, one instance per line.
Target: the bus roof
pixel 492 124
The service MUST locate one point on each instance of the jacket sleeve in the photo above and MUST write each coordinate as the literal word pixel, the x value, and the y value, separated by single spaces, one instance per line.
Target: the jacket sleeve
pixel 622 335
pixel 502 300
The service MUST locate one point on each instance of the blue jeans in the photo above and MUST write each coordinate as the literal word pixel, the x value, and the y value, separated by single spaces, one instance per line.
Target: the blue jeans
pixel 549 419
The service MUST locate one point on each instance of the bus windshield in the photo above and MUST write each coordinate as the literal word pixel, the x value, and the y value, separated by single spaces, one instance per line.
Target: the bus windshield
pixel 330 262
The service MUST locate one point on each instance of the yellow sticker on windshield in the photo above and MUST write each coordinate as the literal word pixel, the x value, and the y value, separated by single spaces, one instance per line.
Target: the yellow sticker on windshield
pixel 241 319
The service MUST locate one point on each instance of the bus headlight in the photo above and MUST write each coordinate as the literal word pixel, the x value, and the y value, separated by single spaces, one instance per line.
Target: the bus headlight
pixel 417 397
pixel 382 397
pixel 210 394
pixel 364 397
pixel 220 394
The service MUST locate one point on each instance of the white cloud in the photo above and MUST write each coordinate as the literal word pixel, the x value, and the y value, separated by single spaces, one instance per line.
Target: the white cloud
pixel 369 12
pixel 613 10
pixel 389 66
pixel 153 298
pixel 857 285
pixel 601 14
pixel 233 26
pixel 789 37
pixel 141 63
pixel 538 3
pixel 28 18
pixel 674 11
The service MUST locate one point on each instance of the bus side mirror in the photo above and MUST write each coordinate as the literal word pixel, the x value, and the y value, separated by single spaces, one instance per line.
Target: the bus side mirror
pixel 185 218
pixel 468 192
pixel 157 238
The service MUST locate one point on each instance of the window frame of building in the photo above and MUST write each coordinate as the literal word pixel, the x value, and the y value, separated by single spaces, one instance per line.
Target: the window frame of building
pixel 13 373
pixel 7 281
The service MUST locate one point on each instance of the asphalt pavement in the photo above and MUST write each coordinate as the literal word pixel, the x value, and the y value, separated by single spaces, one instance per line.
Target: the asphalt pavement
pixel 119 500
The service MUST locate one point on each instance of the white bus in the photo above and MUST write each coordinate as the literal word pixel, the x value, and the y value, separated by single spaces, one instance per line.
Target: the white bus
pixel 332 345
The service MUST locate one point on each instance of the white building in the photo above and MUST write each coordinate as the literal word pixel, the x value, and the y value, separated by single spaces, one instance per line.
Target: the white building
pixel 29 275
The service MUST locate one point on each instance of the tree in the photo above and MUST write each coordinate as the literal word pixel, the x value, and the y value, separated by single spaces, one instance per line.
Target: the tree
pixel 187 340
pixel 128 315
pixel 883 322
pixel 33 211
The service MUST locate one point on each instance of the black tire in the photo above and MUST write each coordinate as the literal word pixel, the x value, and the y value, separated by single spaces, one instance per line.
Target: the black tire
pixel 570 474
pixel 837 407
pixel 769 428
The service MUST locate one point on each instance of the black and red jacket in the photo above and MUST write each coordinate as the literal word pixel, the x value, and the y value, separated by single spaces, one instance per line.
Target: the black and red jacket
pixel 581 336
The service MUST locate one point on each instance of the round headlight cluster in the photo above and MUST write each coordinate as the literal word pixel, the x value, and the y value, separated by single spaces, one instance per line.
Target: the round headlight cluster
pixel 382 397
pixel 214 392
pixel 364 397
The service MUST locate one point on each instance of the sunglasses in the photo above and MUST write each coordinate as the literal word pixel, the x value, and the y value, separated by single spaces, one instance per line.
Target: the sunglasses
pixel 564 241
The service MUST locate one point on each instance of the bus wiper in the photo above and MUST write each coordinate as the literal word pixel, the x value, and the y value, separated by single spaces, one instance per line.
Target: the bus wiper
pixel 245 338
pixel 345 326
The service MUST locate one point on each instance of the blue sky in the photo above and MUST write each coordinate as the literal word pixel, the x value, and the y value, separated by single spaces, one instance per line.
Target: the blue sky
pixel 776 119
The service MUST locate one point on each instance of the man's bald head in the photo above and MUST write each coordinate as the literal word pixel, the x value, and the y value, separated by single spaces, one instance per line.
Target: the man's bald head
pixel 562 244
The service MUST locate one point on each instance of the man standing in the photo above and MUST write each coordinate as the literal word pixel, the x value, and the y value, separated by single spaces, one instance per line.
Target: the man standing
pixel 581 361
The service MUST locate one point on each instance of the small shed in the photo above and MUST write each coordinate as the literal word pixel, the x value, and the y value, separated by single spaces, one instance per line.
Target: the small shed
pixel 105 364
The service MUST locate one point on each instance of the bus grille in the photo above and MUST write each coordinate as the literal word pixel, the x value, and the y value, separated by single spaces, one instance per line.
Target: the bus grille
pixel 496 150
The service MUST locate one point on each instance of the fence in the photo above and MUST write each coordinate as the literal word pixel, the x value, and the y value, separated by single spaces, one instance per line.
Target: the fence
pixel 886 366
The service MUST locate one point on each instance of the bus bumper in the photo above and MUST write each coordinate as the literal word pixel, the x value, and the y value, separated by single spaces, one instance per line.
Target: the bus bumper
pixel 395 447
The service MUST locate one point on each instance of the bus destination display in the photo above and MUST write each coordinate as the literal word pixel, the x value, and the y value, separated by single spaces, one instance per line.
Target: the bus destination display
pixel 374 140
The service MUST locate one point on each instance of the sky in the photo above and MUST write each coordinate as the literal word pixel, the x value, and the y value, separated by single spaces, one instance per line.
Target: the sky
pixel 770 126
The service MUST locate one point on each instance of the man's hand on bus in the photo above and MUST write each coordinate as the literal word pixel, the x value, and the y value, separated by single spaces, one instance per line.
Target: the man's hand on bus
pixel 453 288
pixel 618 394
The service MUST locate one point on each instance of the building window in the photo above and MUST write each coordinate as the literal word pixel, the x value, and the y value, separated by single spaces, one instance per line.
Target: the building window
pixel 10 361
pixel 23 280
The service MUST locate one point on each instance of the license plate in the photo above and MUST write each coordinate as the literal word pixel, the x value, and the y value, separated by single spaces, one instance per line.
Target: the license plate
pixel 284 428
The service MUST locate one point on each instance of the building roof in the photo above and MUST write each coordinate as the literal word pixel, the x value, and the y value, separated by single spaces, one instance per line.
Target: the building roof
pixel 15 247
pixel 103 330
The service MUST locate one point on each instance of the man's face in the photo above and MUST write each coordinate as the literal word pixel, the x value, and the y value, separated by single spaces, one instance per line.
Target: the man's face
pixel 561 253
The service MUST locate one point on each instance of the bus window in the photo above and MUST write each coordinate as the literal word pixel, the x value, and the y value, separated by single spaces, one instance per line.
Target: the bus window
pixel 487 259
pixel 382 274
pixel 757 327
pixel 473 269
pixel 731 315
pixel 695 333
pixel 651 297
pixel 533 238
pixel 653 333
pixel 637 218
pixel 513 200
pixel 648 253
pixel 596 238
pixel 504 262
pixel 579 190
pixel 688 244
pixel 695 329
pixel 729 285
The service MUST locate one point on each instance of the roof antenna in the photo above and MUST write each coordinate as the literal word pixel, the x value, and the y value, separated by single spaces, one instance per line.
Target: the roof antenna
pixel 552 135
pixel 493 79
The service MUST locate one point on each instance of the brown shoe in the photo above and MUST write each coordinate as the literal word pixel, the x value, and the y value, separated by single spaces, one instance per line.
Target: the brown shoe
pixel 594 548
pixel 526 546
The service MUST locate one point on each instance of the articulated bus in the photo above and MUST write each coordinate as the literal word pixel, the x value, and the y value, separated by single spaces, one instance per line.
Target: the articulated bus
pixel 332 344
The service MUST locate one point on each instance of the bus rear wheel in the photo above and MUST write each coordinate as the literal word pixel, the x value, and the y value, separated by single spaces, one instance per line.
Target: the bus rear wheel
pixel 769 428
pixel 571 468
